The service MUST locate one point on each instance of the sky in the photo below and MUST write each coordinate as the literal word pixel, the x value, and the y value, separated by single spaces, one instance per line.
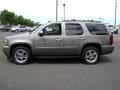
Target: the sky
pixel 45 10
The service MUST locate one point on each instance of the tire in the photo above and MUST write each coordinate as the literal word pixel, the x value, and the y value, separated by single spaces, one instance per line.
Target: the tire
pixel 25 30
pixel 21 55
pixel 16 30
pixel 90 55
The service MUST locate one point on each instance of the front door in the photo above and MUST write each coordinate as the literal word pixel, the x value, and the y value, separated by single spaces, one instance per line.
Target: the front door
pixel 51 42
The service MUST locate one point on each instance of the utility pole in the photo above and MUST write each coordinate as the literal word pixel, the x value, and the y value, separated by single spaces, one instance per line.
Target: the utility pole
pixel 101 20
pixel 56 10
pixel 64 10
pixel 115 14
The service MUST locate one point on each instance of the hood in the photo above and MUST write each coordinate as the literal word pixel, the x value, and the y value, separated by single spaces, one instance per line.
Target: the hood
pixel 18 36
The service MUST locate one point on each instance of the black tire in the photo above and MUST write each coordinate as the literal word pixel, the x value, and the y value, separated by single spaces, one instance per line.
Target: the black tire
pixel 25 30
pixel 16 30
pixel 27 53
pixel 86 57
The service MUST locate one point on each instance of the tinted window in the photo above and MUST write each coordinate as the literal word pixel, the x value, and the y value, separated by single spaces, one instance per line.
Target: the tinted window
pixel 73 29
pixel 53 29
pixel 97 29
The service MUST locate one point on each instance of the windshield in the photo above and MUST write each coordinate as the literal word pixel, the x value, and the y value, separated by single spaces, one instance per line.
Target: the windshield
pixel 38 28
pixel 35 29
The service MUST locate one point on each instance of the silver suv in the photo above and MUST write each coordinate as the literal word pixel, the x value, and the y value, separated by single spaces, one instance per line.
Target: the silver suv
pixel 85 39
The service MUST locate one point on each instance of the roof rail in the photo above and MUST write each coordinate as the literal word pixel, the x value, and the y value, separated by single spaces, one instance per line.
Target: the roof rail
pixel 82 20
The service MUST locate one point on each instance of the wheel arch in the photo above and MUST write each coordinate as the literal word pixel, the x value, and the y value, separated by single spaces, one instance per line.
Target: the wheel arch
pixel 98 46
pixel 21 44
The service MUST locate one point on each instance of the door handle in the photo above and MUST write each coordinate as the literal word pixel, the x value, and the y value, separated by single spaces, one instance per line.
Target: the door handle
pixel 58 39
pixel 82 38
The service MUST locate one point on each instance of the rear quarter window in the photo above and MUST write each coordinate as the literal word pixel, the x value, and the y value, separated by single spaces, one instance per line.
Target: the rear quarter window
pixel 97 29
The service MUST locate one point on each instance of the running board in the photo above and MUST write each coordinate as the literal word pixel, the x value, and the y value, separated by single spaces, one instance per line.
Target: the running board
pixel 56 56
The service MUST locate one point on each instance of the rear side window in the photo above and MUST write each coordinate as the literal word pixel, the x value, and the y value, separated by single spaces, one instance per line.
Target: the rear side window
pixel 97 29
pixel 73 29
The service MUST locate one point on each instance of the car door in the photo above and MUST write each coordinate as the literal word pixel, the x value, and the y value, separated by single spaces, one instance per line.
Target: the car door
pixel 51 42
pixel 73 38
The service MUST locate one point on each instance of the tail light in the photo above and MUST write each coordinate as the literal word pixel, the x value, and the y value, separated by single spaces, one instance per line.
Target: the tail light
pixel 111 39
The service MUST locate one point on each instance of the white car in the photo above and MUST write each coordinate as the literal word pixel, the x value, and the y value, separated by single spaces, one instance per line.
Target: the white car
pixel 19 29
pixel 28 28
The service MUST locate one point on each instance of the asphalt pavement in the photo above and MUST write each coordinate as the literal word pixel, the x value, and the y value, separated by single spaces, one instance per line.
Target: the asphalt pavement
pixel 61 74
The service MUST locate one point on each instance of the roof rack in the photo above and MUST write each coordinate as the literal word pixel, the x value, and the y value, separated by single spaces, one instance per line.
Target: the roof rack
pixel 82 20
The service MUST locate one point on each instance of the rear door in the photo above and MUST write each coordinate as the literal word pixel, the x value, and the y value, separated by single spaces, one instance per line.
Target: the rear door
pixel 73 38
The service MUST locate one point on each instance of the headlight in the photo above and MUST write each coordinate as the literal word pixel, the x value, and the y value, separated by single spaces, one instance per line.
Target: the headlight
pixel 6 42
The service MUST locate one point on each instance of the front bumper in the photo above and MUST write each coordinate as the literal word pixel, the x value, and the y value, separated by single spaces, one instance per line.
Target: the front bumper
pixel 107 49
pixel 6 50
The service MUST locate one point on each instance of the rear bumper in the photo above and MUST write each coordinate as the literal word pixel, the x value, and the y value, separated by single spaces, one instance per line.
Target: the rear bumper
pixel 107 49
pixel 6 50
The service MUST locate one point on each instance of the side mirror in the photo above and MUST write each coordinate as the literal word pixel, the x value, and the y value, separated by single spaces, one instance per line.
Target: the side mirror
pixel 41 33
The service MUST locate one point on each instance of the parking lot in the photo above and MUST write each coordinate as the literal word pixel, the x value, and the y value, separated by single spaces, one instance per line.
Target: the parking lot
pixel 61 74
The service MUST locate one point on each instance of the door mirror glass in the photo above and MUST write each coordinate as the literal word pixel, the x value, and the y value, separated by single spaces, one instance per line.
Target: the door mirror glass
pixel 41 33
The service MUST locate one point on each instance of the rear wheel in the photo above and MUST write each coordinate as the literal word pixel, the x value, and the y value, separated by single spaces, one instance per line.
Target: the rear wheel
pixel 21 55
pixel 90 55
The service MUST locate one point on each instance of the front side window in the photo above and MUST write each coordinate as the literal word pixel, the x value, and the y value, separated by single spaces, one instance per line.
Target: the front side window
pixel 73 29
pixel 53 29
pixel 97 29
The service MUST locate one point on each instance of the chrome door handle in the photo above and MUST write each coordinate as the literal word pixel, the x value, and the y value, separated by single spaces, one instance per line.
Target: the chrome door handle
pixel 82 38
pixel 58 39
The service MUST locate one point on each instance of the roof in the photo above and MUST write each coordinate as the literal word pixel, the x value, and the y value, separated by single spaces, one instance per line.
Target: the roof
pixel 77 21
pixel 73 20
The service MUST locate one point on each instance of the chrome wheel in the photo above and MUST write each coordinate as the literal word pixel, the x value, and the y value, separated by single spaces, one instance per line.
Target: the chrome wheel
pixel 91 56
pixel 21 56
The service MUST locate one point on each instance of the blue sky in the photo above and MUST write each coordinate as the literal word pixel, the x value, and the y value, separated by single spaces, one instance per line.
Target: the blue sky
pixel 44 10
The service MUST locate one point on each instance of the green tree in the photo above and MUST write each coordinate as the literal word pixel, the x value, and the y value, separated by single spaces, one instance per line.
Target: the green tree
pixel 8 17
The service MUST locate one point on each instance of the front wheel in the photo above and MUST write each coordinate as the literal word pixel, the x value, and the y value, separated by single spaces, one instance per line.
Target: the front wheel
pixel 90 55
pixel 16 30
pixel 21 55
